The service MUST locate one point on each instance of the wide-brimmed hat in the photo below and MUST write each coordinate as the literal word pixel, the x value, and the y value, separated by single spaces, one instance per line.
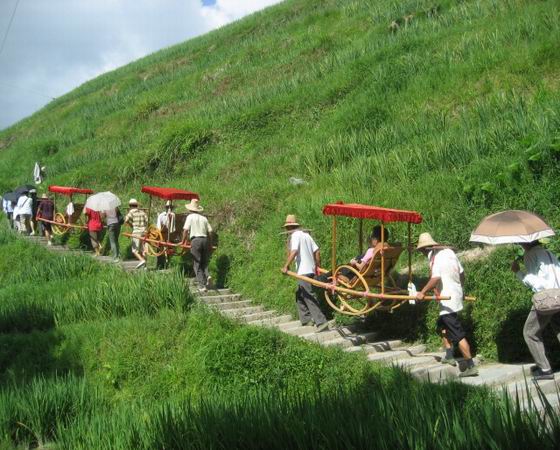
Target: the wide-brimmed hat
pixel 168 204
pixel 425 240
pixel 44 196
pixel 291 221
pixel 133 202
pixel 194 206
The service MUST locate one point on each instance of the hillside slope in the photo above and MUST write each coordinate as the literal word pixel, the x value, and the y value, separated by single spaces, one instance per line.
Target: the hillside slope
pixel 453 111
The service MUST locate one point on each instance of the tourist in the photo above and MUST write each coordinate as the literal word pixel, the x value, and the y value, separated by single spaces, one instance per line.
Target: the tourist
pixel 8 208
pixel 446 279
pixel 113 218
pixel 303 249
pixel 24 212
pixel 138 219
pixel 166 219
pixel 541 273
pixel 95 227
pixel 45 210
pixel 197 230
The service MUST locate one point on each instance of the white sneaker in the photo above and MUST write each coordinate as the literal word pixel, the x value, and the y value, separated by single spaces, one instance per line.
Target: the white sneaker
pixel 209 282
pixel 49 243
pixel 140 264
pixel 32 233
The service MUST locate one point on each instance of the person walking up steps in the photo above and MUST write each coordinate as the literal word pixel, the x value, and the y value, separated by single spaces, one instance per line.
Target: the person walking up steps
pixel 542 272
pixel 303 249
pixel 197 230
pixel 138 219
pixel 447 279
pixel 45 210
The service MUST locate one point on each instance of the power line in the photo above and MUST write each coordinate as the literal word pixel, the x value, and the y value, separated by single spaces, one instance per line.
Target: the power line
pixel 9 26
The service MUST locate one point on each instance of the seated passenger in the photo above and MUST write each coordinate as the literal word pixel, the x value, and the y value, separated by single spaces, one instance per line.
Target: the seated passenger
pixel 166 219
pixel 361 262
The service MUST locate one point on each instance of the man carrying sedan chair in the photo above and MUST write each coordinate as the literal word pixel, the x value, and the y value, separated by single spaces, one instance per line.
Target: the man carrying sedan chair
pixel 303 249
pixel 446 279
pixel 197 230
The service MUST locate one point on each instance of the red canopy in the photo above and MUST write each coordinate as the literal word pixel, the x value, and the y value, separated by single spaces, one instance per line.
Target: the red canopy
pixel 169 193
pixel 65 190
pixel 371 212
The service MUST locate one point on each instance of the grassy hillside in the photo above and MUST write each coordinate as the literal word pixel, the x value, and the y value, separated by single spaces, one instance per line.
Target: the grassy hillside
pixel 454 113
pixel 93 358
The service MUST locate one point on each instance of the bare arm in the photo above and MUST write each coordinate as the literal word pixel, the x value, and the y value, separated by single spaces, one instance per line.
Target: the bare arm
pixel 291 256
pixel 431 284
pixel 317 256
pixel 185 236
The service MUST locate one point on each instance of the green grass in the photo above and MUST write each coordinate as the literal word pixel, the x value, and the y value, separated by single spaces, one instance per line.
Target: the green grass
pixel 454 115
pixel 99 358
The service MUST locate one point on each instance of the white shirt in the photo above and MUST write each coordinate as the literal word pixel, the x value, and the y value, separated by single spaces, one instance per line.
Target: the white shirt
pixel 166 219
pixel 24 204
pixel 111 216
pixel 542 269
pixel 197 225
pixel 446 266
pixel 305 246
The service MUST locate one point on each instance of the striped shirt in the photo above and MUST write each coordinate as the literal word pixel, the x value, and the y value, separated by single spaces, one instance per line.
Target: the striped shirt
pixel 138 219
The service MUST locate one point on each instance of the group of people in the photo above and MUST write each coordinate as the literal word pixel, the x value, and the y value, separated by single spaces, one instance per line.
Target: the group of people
pixel 446 279
pixel 26 213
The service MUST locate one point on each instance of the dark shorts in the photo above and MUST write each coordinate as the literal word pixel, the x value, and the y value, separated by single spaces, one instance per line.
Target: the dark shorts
pixel 452 326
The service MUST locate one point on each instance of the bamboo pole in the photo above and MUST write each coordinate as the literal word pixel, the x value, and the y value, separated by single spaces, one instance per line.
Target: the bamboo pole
pixel 382 258
pixel 67 225
pixel 329 286
pixel 333 251
pixel 409 252
pixel 361 236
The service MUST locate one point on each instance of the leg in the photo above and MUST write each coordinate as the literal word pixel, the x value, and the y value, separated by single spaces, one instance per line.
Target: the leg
pixel 197 252
pixel 113 231
pixel 303 310
pixel 312 304
pixel 465 348
pixel 532 333
pixel 136 246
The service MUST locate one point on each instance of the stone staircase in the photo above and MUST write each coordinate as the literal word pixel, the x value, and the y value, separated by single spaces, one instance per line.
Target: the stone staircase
pixel 513 380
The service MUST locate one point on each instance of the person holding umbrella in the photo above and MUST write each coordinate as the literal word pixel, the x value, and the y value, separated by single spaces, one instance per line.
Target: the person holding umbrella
pixel 24 211
pixel 446 279
pixel 541 274
pixel 104 204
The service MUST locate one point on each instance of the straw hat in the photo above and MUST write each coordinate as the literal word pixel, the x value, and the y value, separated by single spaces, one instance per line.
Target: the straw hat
pixel 426 240
pixel 44 196
pixel 194 206
pixel 168 204
pixel 133 202
pixel 291 221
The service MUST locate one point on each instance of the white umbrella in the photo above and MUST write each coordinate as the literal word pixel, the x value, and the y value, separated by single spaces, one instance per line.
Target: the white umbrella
pixel 103 201
pixel 511 227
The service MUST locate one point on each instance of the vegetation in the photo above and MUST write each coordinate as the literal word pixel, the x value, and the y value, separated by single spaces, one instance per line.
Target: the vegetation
pixel 166 373
pixel 448 108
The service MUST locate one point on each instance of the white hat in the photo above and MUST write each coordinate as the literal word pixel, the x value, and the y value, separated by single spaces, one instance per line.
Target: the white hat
pixel 168 204
pixel 426 240
pixel 194 206
pixel 132 202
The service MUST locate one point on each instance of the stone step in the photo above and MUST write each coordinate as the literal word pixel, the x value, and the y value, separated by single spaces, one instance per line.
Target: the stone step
pixel 389 356
pixel 288 325
pixel 260 315
pixel 223 306
pixel 497 374
pixel 383 346
pixel 213 292
pixel 239 312
pixel 528 386
pixel 415 362
pixel 301 330
pixel 272 322
pixel 215 299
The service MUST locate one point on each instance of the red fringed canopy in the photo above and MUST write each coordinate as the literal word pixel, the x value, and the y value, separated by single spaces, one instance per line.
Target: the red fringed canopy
pixel 66 190
pixel 371 212
pixel 169 193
